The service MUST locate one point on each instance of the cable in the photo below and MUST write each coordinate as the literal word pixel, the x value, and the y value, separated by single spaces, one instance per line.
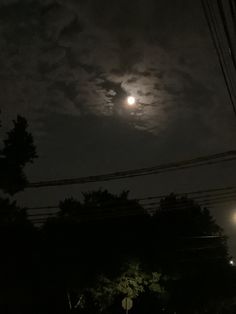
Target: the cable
pixel 200 194
pixel 233 12
pixel 167 167
pixel 224 54
pixel 206 197
pixel 228 190
pixel 226 30
pixel 210 18
pixel 94 214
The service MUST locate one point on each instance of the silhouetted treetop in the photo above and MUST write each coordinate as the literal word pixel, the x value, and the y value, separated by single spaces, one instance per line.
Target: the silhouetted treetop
pixel 10 213
pixel 106 246
pixel 18 150
pixel 98 205
pixel 19 145
pixel 183 216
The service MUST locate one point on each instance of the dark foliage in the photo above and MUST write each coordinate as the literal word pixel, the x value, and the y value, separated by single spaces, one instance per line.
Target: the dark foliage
pixel 93 243
pixel 18 150
pixel 18 237
pixel 106 247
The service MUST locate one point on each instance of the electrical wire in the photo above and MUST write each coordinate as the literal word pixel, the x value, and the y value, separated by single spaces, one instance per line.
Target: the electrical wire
pixel 212 25
pixel 161 168
pixel 226 30
pixel 196 195
pixel 126 211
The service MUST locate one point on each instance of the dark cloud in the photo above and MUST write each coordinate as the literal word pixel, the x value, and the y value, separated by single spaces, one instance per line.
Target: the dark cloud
pixel 80 58
pixel 68 65
pixel 63 56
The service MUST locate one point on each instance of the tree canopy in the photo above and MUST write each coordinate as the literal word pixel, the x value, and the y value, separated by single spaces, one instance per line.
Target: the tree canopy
pixel 18 150
pixel 17 234
pixel 108 247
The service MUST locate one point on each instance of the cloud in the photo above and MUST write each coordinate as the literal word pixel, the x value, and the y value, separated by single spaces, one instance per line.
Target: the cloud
pixel 84 57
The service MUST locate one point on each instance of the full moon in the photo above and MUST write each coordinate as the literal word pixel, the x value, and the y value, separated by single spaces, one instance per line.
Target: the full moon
pixel 131 100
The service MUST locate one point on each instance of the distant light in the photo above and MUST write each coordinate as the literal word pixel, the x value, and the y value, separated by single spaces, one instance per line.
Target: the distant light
pixel 131 100
pixel 231 262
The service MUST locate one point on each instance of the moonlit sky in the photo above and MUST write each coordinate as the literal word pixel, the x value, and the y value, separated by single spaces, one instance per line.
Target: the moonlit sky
pixel 68 66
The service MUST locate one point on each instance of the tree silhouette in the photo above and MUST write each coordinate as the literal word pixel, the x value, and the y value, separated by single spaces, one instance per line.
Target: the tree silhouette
pixel 11 214
pixel 17 234
pixel 18 150
pixel 96 243
pixel 96 237
pixel 192 250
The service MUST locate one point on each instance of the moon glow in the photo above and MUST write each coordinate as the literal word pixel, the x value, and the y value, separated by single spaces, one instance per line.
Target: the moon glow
pixel 131 100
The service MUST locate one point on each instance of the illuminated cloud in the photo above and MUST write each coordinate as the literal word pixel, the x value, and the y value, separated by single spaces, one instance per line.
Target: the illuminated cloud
pixel 78 58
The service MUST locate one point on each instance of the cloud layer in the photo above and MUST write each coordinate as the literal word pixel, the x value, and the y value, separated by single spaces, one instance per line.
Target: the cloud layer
pixel 84 57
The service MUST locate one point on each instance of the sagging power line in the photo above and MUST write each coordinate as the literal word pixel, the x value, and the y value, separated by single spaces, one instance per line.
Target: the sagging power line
pixel 149 204
pixel 196 195
pixel 161 168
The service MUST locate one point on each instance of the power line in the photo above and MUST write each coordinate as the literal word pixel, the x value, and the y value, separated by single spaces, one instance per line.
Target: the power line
pixel 207 193
pixel 233 12
pixel 161 168
pixel 95 216
pixel 198 193
pixel 125 211
pixel 226 30
pixel 150 204
pixel 224 52
pixel 213 27
pixel 96 213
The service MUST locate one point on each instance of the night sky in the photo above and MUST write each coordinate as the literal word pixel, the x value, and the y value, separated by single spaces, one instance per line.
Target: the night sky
pixel 68 66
